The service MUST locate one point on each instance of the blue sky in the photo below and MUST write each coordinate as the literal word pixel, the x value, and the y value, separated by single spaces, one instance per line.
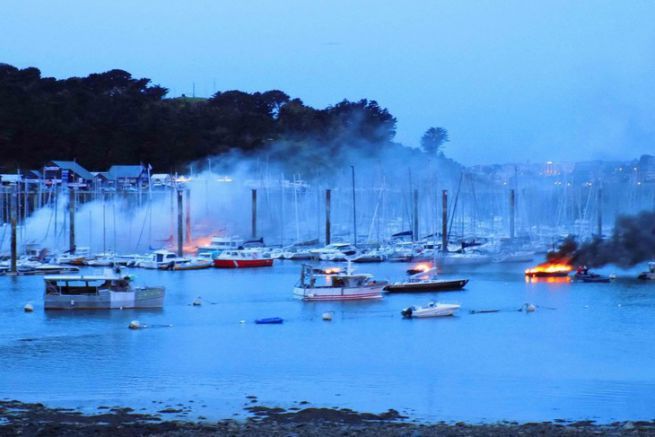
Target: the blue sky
pixel 510 80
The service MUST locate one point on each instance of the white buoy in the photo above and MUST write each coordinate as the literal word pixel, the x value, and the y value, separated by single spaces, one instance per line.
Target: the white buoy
pixel 327 316
pixel 134 324
pixel 530 307
pixel 197 301
pixel 28 308
pixel 243 322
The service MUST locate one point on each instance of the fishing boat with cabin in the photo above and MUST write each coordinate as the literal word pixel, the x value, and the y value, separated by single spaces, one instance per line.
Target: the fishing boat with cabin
pixel 334 285
pixel 111 290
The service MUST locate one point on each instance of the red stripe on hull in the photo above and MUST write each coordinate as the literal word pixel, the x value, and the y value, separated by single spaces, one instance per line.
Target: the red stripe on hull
pixel 343 297
pixel 242 263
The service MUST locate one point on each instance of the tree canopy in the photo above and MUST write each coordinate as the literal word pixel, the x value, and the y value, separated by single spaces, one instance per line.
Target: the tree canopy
pixel 433 139
pixel 112 117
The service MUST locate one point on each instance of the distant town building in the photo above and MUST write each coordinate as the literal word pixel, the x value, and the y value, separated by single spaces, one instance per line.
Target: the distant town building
pixel 127 176
pixel 646 169
pixel 159 180
pixel 67 172
pixel 10 179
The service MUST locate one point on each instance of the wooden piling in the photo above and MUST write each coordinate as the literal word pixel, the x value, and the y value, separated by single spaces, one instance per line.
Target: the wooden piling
pixel 253 223
pixel 599 224
pixel 180 224
pixel 187 211
pixel 415 209
pixel 12 213
pixel 512 212
pixel 328 224
pixel 444 221
pixel 71 220
pixel 352 167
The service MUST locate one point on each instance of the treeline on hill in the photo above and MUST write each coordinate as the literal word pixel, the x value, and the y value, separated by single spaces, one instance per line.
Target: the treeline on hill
pixel 111 117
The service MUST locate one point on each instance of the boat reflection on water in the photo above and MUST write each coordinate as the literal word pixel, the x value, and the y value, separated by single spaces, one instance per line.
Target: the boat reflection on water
pixel 547 279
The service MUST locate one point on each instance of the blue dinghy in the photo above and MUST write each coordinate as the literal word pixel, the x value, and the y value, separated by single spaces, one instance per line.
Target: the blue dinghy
pixel 269 321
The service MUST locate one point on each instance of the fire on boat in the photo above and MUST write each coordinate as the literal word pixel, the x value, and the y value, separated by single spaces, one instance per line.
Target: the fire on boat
pixel 550 269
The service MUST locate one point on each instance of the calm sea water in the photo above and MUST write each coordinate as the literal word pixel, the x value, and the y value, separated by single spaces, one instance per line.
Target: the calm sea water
pixel 587 352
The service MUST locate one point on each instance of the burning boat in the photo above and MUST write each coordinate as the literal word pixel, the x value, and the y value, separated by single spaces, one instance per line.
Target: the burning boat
pixel 550 269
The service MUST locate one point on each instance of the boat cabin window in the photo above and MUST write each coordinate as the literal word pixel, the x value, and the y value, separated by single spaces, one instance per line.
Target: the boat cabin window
pixel 348 281
pixel 65 286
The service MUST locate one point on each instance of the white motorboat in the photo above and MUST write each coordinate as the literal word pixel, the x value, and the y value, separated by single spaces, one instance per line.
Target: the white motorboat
pixel 198 263
pixel 102 260
pixel 218 245
pixel 372 256
pixel 457 259
pixel 430 310
pixel 334 252
pixel 334 285
pixel 161 260
pixel 514 257
pixel 297 254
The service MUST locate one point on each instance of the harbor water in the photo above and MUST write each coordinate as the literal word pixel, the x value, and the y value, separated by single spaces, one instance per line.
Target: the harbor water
pixel 585 353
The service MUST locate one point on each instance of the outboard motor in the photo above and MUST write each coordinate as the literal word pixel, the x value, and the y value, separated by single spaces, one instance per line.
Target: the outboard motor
pixel 407 313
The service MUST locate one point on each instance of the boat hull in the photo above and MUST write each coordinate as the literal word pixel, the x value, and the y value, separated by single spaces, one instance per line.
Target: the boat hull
pixel 320 294
pixel 424 287
pixel 193 266
pixel 140 298
pixel 242 263
pixel 424 313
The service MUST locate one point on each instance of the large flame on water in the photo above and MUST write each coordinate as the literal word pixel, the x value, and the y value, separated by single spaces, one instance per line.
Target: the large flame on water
pixel 550 268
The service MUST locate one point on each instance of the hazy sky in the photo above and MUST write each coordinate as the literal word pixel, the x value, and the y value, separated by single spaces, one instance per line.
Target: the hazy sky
pixel 510 80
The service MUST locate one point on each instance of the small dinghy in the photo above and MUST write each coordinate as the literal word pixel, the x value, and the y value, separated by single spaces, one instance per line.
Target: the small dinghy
pixel 270 321
pixel 431 310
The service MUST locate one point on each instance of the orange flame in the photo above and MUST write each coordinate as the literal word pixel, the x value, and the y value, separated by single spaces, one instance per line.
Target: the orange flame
pixel 422 267
pixel 191 247
pixel 556 268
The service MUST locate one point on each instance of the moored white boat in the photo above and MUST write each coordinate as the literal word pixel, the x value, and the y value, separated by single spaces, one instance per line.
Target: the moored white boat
pixel 372 256
pixel 161 260
pixel 334 252
pixel 217 245
pixel 198 263
pixel 430 310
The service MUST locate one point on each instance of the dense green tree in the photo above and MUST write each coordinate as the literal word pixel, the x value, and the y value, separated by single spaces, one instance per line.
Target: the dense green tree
pixel 433 139
pixel 114 118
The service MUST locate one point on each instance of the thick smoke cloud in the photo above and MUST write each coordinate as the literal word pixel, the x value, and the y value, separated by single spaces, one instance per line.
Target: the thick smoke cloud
pixel 631 242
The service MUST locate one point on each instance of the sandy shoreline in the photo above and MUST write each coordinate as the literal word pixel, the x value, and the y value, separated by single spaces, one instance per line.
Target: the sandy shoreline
pixel 27 419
